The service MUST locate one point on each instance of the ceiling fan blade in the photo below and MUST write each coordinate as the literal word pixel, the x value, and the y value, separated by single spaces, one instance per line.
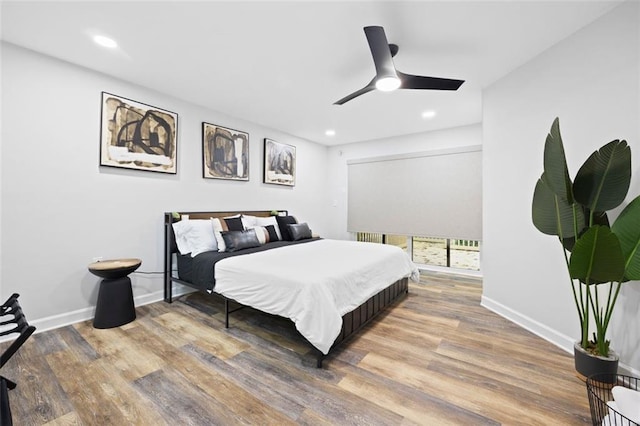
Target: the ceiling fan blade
pixel 369 87
pixel 380 51
pixel 409 81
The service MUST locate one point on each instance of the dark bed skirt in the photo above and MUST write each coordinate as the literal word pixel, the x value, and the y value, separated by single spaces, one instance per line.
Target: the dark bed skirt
pixel 353 321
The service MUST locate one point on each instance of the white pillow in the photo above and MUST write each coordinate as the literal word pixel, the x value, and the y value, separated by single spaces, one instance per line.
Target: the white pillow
pixel 266 221
pixel 628 402
pixel 180 230
pixel 248 221
pixel 194 236
pixel 217 231
pixel 201 237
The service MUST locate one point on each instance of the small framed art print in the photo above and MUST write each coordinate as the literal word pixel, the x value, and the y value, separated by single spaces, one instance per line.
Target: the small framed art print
pixel 279 163
pixel 225 153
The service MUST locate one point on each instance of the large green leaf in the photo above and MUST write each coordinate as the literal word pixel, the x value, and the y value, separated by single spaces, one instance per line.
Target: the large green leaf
pixel 597 257
pixel 552 214
pixel 627 229
pixel 555 164
pixel 603 180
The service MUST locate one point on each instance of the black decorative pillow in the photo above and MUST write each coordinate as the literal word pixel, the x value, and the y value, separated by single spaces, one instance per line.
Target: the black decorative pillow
pixel 234 223
pixel 273 235
pixel 283 221
pixel 299 231
pixel 238 240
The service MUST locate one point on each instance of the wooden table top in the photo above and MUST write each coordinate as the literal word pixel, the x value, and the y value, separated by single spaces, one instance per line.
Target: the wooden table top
pixel 107 265
pixel 114 268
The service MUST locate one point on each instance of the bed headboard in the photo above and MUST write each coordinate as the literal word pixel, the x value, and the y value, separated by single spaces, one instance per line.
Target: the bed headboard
pixel 170 240
pixel 176 216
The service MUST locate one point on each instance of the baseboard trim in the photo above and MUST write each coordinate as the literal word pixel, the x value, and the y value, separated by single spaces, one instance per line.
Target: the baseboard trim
pixel 628 371
pixel 68 318
pixel 560 340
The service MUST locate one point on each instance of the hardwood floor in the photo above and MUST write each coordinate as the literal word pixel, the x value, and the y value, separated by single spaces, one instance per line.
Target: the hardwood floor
pixel 436 358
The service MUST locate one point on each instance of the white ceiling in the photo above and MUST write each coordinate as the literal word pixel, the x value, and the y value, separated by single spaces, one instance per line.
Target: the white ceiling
pixel 283 64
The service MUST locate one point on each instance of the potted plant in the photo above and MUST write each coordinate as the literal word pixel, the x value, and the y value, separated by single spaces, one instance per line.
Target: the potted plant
pixel 599 257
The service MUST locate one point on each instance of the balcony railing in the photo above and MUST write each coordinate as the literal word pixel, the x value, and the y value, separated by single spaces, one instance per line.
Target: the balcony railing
pixel 449 252
pixel 369 237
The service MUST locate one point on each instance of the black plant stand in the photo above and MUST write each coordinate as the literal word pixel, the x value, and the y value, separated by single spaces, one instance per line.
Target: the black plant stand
pixel 115 305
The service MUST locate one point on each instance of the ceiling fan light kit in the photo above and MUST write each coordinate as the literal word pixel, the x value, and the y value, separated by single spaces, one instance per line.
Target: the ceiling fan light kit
pixel 387 77
pixel 387 84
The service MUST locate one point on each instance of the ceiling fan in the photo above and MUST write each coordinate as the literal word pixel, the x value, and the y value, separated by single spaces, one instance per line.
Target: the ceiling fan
pixel 387 77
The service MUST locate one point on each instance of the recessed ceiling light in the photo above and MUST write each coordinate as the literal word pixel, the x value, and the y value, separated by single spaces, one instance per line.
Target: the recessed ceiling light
pixel 429 114
pixel 330 132
pixel 105 41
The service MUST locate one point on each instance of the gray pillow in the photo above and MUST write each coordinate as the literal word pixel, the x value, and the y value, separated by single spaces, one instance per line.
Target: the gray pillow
pixel 238 240
pixel 299 231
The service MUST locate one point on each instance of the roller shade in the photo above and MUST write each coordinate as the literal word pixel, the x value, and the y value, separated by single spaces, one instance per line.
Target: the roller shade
pixel 434 193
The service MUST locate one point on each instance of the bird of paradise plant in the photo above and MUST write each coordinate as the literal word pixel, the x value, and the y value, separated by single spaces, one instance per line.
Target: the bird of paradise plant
pixel 599 257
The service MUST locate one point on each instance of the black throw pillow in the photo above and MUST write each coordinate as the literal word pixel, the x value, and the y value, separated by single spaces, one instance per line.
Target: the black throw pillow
pixel 234 224
pixel 299 231
pixel 283 221
pixel 273 235
pixel 238 240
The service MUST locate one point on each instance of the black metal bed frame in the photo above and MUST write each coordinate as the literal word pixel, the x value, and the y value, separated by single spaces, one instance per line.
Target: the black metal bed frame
pixel 352 321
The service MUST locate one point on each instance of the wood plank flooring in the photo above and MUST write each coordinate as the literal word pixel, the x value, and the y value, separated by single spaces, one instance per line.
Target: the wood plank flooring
pixel 435 358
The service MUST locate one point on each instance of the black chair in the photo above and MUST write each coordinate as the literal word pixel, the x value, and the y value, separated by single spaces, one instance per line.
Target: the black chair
pixel 11 313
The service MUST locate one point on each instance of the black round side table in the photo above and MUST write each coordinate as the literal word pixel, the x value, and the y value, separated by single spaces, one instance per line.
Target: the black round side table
pixel 115 297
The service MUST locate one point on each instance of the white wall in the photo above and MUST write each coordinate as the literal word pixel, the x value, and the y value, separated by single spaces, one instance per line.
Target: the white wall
pixel 591 81
pixel 60 209
pixel 340 154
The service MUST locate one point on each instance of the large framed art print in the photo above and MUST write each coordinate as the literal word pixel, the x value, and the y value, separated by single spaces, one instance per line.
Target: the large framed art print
pixel 225 153
pixel 137 136
pixel 279 163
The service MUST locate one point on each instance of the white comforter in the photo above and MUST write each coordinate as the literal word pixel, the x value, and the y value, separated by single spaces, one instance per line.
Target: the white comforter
pixel 313 284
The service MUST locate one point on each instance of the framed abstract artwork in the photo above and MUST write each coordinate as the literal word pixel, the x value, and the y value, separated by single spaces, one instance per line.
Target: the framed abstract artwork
pixel 137 136
pixel 279 163
pixel 225 153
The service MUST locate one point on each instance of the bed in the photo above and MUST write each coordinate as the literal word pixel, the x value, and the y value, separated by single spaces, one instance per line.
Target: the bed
pixel 330 289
